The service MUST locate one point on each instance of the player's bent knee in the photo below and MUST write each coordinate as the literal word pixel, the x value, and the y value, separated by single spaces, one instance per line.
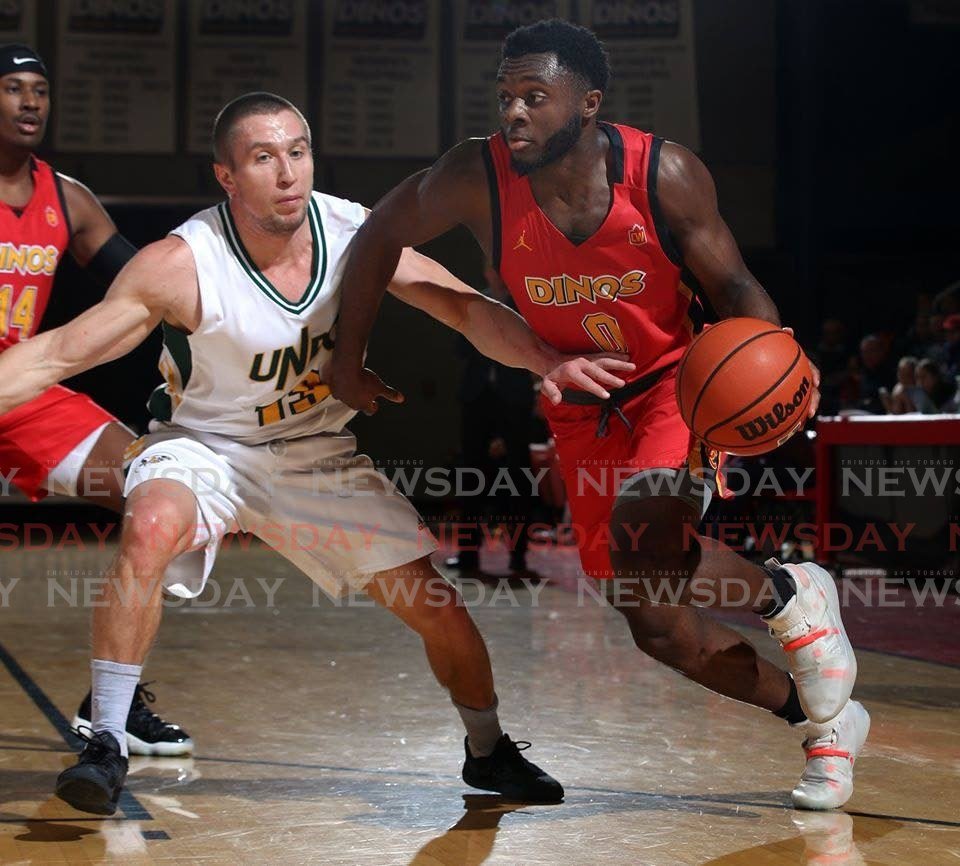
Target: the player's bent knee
pixel 654 506
pixel 157 525
pixel 664 485
pixel 417 593
pixel 653 524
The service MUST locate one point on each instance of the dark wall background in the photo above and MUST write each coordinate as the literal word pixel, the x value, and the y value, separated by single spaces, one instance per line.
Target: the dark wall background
pixel 829 126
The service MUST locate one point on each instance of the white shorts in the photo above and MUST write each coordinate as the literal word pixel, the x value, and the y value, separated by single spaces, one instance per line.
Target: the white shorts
pixel 318 503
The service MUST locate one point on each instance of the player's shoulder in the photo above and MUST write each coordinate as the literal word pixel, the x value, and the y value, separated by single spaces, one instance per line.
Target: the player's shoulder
pixel 464 160
pixel 685 187
pixel 678 162
pixel 78 197
pixel 207 225
pixel 162 276
pixel 171 249
pixel 73 188
pixel 169 255
pixel 85 213
pixel 459 175
pixel 335 211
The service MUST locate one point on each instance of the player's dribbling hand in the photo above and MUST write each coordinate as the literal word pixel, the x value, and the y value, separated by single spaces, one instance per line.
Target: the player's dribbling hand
pixel 815 398
pixel 362 390
pixel 590 373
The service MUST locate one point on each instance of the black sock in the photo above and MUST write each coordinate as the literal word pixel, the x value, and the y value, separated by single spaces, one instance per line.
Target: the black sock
pixel 784 588
pixel 791 711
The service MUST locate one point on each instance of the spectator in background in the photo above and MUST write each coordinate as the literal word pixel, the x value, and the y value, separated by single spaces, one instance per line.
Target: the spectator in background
pixel 941 391
pixel 850 384
pixel 907 395
pixel 947 302
pixel 876 371
pixel 936 351
pixel 936 326
pixel 951 345
pixel 832 351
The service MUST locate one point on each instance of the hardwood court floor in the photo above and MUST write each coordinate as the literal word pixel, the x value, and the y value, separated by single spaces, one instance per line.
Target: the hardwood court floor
pixel 322 739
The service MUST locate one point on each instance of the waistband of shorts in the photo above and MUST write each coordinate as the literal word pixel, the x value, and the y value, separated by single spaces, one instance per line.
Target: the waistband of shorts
pixel 618 396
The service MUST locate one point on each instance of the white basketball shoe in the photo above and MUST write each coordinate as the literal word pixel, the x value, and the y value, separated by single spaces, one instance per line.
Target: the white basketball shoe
pixel 812 635
pixel 831 749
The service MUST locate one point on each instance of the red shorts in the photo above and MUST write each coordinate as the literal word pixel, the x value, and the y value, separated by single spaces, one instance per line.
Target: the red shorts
pixel 594 468
pixel 36 436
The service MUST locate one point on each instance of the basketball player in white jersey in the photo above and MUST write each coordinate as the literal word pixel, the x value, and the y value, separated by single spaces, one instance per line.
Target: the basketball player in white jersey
pixel 247 436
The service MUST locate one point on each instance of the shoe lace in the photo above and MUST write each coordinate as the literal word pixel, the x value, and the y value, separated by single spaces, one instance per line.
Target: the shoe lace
pixel 98 743
pixel 827 739
pixel 142 713
pixel 514 748
pixel 144 693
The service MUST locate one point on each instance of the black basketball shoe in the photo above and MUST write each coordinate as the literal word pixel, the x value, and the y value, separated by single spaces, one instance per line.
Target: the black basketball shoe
pixel 93 784
pixel 147 733
pixel 507 772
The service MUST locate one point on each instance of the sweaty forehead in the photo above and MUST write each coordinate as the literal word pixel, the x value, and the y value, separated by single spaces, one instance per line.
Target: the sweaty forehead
pixel 542 67
pixel 275 127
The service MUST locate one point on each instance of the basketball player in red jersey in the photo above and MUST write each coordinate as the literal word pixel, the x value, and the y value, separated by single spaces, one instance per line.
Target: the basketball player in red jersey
pixel 598 230
pixel 61 442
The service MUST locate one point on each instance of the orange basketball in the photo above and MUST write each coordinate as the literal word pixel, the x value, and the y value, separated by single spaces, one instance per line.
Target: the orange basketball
pixel 744 386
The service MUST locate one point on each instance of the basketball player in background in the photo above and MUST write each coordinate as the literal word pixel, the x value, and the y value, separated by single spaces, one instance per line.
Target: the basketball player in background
pixel 247 436
pixel 597 230
pixel 60 442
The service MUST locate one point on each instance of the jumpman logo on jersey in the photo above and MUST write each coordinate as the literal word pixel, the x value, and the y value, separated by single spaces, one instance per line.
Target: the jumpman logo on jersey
pixel 521 243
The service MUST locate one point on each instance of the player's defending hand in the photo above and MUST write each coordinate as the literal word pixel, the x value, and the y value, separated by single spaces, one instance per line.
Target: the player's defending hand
pixel 360 391
pixel 815 399
pixel 591 373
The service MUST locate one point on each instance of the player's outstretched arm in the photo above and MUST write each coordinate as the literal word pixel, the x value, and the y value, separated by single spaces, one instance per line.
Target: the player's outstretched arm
pixel 688 198
pixel 425 205
pixel 493 328
pixel 499 332
pixel 131 309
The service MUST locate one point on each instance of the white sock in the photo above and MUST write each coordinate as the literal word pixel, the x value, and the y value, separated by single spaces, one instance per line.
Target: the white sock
pixel 114 685
pixel 483 728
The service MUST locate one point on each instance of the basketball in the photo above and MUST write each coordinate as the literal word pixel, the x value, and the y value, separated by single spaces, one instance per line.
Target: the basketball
pixel 744 386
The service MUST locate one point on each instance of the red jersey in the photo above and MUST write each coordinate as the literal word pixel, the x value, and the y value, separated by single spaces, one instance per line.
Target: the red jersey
pixel 32 243
pixel 621 289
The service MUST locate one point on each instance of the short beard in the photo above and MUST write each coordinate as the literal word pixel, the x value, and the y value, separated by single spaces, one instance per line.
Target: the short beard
pixel 277 225
pixel 558 145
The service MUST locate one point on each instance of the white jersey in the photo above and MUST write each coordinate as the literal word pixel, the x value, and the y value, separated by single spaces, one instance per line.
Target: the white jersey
pixel 251 369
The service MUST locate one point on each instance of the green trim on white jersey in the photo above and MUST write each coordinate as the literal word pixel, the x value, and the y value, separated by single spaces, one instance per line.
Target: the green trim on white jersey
pixel 318 269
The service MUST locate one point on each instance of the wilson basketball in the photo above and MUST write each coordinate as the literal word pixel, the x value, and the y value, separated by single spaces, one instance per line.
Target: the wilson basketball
pixel 744 386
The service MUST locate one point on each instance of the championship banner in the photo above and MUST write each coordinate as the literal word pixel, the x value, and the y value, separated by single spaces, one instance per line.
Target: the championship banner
pixel 115 76
pixel 18 22
pixel 480 27
pixel 380 83
pixel 235 48
pixel 654 83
